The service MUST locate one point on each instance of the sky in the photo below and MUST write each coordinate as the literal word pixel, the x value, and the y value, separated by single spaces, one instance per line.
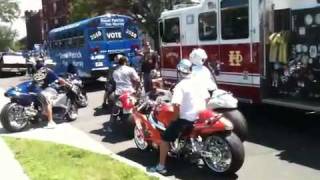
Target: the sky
pixel 20 24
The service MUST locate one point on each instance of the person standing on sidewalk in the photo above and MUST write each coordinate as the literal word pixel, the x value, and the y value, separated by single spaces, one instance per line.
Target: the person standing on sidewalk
pixel 149 63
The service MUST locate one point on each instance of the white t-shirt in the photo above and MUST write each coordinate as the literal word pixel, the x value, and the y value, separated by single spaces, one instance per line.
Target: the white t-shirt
pixel 203 74
pixel 123 77
pixel 191 97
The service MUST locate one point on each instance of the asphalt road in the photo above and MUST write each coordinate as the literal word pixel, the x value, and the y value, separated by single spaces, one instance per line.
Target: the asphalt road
pixel 283 143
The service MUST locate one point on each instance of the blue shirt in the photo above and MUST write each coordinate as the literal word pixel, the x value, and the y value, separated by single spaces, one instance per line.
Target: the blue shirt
pixel 50 78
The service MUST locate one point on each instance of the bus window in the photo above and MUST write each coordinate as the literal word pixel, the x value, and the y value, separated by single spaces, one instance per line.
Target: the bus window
pixel 171 30
pixel 234 19
pixel 208 26
pixel 95 34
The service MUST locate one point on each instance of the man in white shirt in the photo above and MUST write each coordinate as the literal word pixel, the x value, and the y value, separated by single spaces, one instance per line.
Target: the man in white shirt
pixel 125 77
pixel 189 98
pixel 198 57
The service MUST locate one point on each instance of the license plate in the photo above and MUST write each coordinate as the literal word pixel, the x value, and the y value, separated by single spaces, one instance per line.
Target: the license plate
pixel 99 64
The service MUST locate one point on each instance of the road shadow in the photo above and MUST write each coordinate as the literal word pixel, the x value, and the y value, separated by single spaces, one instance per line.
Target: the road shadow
pixel 178 168
pixel 290 131
pixel 94 86
pixel 100 111
pixel 115 136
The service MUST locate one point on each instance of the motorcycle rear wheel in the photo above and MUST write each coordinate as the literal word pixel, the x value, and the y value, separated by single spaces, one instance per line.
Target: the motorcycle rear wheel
pixel 240 126
pixel 9 118
pixel 227 153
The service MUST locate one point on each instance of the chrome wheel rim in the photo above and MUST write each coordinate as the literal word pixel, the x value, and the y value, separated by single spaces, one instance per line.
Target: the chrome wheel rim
pixel 139 139
pixel 16 116
pixel 220 157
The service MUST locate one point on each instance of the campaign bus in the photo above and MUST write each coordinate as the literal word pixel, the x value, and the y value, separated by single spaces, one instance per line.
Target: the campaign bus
pixel 92 44
pixel 268 51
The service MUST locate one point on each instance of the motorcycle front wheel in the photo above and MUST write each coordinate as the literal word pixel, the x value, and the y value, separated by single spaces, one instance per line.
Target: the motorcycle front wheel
pixel 139 139
pixel 82 101
pixel 72 111
pixel 223 153
pixel 13 118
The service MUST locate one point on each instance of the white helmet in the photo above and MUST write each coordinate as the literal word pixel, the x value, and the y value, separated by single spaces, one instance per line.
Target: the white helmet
pixel 184 66
pixel 198 56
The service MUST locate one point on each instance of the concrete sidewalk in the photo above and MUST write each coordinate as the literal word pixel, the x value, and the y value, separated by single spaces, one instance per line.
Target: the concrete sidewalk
pixel 67 134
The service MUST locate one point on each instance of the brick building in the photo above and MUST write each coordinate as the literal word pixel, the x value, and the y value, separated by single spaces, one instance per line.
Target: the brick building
pixel 34 28
pixel 55 14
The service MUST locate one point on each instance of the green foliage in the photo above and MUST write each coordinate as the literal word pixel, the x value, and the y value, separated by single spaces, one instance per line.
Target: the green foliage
pixel 7 36
pixel 50 161
pixel 81 9
pixel 9 10
pixel 147 12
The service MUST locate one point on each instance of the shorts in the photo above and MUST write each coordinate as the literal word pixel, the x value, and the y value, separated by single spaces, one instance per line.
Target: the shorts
pixel 175 129
pixel 48 95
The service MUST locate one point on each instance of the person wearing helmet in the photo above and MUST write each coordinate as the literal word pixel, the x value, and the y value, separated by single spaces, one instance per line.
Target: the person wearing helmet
pixel 198 57
pixel 188 99
pixel 45 77
pixel 110 85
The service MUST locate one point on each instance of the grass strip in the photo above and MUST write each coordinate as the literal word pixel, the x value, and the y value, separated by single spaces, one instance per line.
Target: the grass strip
pixel 49 161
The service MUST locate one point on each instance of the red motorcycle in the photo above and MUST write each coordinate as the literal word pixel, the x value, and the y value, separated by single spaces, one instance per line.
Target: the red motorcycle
pixel 121 112
pixel 210 139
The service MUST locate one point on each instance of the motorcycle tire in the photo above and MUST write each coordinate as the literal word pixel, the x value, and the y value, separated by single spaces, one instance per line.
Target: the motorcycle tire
pixel 72 109
pixel 5 121
pixel 138 139
pixel 240 126
pixel 83 101
pixel 235 149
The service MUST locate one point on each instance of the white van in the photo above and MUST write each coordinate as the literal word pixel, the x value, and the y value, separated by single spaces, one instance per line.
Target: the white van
pixel 12 62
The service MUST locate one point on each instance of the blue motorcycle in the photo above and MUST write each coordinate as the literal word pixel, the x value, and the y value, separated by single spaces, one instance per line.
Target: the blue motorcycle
pixel 26 105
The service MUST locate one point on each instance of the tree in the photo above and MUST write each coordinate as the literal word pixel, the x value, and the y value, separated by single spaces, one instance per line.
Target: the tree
pixel 9 11
pixel 146 12
pixel 7 36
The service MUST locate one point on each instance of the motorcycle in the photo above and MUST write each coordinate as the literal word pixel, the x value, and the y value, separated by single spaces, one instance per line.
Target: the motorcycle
pixel 121 112
pixel 81 98
pixel 210 139
pixel 26 105
pixel 220 101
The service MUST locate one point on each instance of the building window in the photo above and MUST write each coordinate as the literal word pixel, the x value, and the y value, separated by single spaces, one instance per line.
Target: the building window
pixel 208 26
pixel 171 32
pixel 234 19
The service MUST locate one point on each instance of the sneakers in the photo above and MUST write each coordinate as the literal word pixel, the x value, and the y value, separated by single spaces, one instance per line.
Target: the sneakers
pixel 50 125
pixel 159 169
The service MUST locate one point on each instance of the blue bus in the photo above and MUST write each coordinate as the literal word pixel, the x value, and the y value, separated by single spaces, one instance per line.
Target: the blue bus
pixel 92 44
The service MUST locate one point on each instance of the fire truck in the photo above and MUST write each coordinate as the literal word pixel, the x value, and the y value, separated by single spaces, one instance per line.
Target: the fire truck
pixel 267 51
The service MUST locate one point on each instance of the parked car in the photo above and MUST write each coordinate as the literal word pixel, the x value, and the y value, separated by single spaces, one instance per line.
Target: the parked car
pixel 12 62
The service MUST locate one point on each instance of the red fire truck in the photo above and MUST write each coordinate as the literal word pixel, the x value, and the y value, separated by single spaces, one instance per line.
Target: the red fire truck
pixel 268 51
